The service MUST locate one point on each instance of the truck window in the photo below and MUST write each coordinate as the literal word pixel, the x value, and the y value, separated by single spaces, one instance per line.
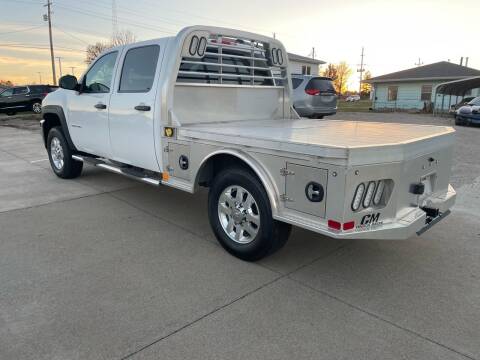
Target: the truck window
pixel 138 70
pixel 99 78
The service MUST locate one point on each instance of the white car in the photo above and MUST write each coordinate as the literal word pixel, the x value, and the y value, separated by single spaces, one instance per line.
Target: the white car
pixel 353 98
pixel 212 107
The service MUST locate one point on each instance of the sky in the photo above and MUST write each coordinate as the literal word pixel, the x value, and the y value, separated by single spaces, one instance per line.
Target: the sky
pixel 395 34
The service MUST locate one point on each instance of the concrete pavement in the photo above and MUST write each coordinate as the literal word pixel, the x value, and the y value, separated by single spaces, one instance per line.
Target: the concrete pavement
pixel 102 267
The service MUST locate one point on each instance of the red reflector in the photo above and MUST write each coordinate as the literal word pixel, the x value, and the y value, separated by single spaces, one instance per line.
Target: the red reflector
pixel 349 225
pixel 312 91
pixel 334 225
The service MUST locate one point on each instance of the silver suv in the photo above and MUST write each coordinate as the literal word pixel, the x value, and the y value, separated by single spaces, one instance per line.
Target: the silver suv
pixel 314 96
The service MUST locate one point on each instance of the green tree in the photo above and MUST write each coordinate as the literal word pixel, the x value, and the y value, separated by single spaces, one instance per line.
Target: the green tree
pixel 365 88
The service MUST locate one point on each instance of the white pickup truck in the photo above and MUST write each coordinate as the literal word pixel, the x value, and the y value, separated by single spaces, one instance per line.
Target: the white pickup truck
pixel 212 107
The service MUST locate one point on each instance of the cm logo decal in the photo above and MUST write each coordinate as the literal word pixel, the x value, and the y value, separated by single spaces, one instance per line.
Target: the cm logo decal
pixel 370 219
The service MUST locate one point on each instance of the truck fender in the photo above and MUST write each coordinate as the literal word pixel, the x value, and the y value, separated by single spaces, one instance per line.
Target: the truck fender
pixel 255 166
pixel 48 123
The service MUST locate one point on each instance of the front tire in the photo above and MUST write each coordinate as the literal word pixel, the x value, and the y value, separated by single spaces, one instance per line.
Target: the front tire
pixel 60 155
pixel 37 107
pixel 241 217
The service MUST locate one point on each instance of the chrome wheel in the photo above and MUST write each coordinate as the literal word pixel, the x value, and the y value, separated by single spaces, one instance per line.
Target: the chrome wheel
pixel 239 214
pixel 56 152
pixel 37 108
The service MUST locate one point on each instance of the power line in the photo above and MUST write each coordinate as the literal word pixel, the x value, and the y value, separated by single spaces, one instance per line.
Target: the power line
pixel 21 30
pixel 71 35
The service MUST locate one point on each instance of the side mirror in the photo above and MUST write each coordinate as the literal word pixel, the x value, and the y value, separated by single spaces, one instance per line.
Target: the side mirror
pixel 68 82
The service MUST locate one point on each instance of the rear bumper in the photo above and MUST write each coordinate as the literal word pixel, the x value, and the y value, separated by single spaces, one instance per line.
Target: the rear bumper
pixel 310 110
pixel 416 222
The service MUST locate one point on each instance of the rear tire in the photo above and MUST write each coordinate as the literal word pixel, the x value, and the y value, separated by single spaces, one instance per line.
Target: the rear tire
pixel 241 217
pixel 60 155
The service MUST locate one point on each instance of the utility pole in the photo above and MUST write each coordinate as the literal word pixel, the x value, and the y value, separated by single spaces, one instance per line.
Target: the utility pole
pixel 48 18
pixel 274 35
pixel 466 61
pixel 361 70
pixel 40 75
pixel 420 63
pixel 60 65
pixel 114 18
pixel 73 69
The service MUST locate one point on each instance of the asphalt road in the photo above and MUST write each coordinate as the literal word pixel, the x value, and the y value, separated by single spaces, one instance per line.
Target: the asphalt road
pixel 102 267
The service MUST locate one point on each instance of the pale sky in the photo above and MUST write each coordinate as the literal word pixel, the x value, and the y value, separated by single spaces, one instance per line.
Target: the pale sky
pixel 394 33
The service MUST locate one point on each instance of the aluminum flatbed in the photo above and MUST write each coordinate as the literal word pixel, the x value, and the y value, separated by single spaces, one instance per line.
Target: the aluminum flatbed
pixel 351 140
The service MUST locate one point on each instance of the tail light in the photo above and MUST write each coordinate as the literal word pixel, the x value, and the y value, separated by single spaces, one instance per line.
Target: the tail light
pixel 45 94
pixel 312 91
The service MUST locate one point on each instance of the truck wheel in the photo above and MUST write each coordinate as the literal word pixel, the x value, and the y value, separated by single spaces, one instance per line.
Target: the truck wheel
pixel 60 155
pixel 241 217
pixel 37 107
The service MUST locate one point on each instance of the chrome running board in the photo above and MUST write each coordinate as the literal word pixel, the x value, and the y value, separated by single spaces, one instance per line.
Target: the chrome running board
pixel 122 170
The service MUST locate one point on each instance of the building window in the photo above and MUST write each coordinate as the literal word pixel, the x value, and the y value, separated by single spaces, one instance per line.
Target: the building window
pixel 426 93
pixel 392 93
pixel 306 70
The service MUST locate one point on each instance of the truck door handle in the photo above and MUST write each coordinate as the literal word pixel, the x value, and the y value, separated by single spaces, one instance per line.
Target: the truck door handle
pixel 100 106
pixel 142 108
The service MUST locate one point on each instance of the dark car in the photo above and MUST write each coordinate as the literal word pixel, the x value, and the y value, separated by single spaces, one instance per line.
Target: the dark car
pixel 24 98
pixel 465 101
pixel 469 114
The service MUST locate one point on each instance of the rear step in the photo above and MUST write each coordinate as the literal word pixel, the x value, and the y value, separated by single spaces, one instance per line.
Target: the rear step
pixel 133 173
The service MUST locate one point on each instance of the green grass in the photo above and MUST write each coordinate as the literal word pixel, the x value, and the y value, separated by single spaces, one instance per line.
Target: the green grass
pixel 357 106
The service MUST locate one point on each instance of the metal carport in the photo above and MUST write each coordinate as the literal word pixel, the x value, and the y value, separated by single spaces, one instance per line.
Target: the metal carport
pixel 454 88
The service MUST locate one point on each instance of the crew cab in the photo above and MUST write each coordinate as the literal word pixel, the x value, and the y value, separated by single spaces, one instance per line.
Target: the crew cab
pixel 211 107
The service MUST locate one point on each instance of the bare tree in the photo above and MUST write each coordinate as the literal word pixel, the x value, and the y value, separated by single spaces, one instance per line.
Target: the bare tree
pixel 119 38
pixel 5 83
pixel 122 38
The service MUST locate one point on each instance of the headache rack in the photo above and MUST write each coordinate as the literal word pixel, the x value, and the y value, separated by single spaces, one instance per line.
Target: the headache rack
pixel 233 61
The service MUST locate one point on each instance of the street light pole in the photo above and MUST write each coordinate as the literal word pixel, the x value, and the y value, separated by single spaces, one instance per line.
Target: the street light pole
pixel 60 65
pixel 40 75
pixel 48 18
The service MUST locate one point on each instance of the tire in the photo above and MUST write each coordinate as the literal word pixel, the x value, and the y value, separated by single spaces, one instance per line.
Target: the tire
pixel 319 116
pixel 60 155
pixel 36 107
pixel 460 122
pixel 254 234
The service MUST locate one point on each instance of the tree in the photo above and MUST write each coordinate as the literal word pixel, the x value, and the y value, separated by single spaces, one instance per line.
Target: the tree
pixel 365 88
pixel 5 83
pixel 330 71
pixel 120 38
pixel 343 74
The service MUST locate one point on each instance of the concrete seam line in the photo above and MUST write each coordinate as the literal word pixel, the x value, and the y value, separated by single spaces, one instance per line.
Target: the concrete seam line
pixel 286 275
pixel 203 317
pixel 378 317
pixel 58 201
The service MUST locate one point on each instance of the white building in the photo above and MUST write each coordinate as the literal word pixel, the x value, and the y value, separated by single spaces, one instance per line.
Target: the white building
pixel 304 65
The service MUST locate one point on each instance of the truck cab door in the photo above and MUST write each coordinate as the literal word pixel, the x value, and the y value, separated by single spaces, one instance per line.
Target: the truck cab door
pixel 132 107
pixel 88 109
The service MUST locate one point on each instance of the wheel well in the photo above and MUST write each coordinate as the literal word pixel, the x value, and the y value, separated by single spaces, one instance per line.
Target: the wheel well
pixel 51 120
pixel 215 164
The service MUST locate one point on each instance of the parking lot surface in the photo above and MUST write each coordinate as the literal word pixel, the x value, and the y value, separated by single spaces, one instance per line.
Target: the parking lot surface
pixel 102 267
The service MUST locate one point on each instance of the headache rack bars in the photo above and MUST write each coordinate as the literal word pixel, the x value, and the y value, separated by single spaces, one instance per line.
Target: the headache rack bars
pixel 231 61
